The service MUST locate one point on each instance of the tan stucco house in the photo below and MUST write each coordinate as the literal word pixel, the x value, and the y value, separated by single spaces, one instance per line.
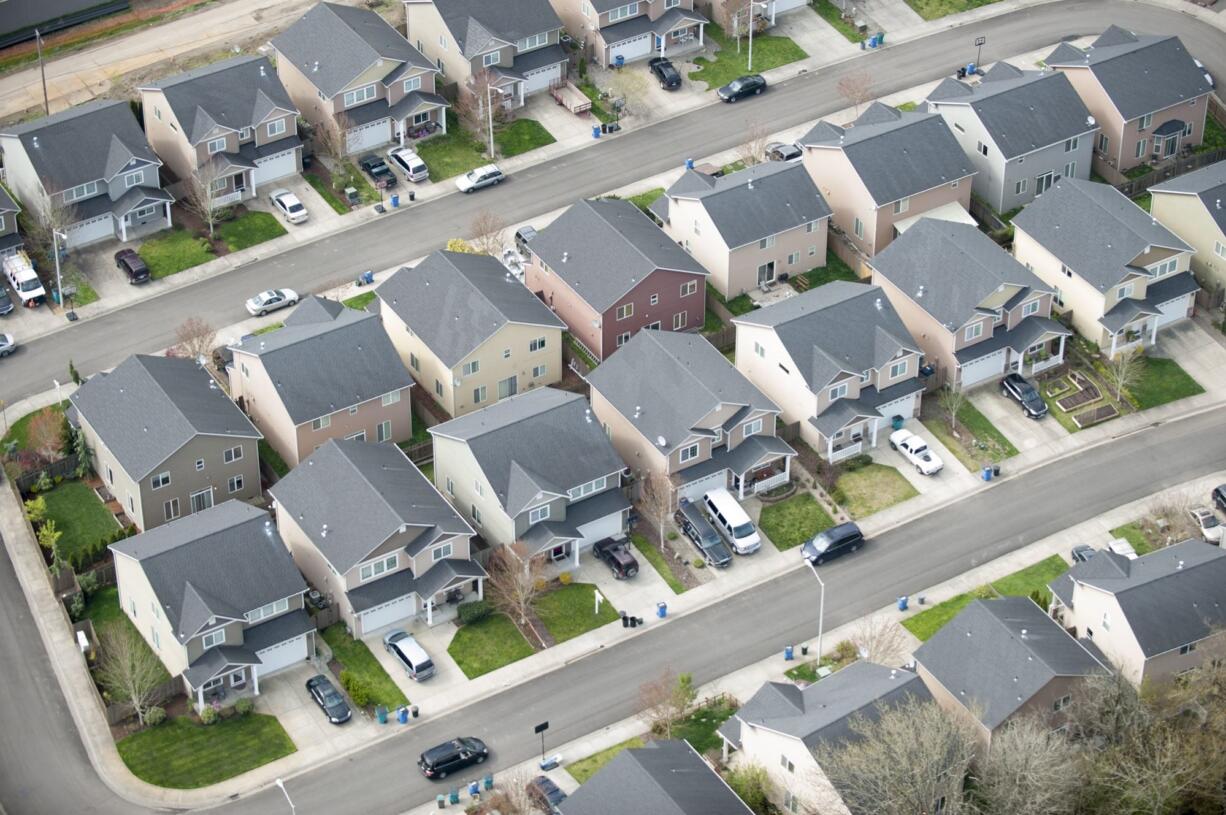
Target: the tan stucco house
pixel 614 32
pixel 1192 207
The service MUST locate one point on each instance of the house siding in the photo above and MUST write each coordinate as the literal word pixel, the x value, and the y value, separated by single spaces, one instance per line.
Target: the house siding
pixel 453 459
pixel 1190 112
pixel 638 452
pixel 1186 216
pixel 1030 167
pixel 423 27
pixel 805 781
pixel 185 479
pixel 135 593
pixel 313 565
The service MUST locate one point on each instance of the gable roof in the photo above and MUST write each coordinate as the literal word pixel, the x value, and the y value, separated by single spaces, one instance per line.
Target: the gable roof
pixel 997 654
pixel 541 441
pixel 895 153
pixel 320 363
pixel 477 24
pixel 841 326
pixel 332 45
pixel 148 407
pixel 1093 229
pixel 217 563
pixel 1207 183
pixel 604 248
pixel 7 204
pixel 1141 73
pixel 456 301
pixel 672 381
pixel 232 94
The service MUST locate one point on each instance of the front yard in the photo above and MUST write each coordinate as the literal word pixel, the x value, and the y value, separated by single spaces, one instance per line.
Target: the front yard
pixel 520 136
pixel 1136 534
pixel 645 199
pixel 832 15
pixel 652 554
pixel 81 518
pixel 873 488
pixel 585 768
pixel 569 611
pixel 1162 381
pixel 354 656
pixel 359 302
pixel 488 645
pixel 793 521
pixel 181 754
pixel 19 431
pixel 768 51
pixel 249 229
pixel 933 9
pixel 450 154
pixel 978 441
pixel 173 251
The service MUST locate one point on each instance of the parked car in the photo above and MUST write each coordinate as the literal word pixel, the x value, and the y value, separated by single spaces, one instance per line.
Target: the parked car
pixel 271 300
pixel 375 167
pixel 1207 522
pixel 6 302
pixel 546 794
pixel 669 77
pixel 779 151
pixel 742 86
pixel 449 757
pixel 328 698
pixel 915 450
pixel 700 532
pixel 732 521
pixel 410 654
pixel 414 168
pixel 830 543
pixel 288 205
pixel 1122 547
pixel 1219 497
pixel 1019 389
pixel 1082 552
pixel 7 344
pixel 480 178
pixel 616 554
pixel 522 236
pixel 132 265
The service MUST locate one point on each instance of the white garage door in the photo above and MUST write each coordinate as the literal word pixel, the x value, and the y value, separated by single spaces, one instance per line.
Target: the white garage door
pixel 700 487
pixel 983 369
pixel 1173 310
pixel 541 78
pixel 787 5
pixel 636 48
pixel 368 136
pixel 610 526
pixel 387 613
pixel 95 229
pixel 281 656
pixel 904 407
pixel 273 167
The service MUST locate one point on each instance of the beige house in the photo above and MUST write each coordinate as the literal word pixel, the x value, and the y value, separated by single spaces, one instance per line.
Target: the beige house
pixel 217 598
pixel 837 360
pixel 10 239
pixel 470 333
pixel 614 32
pixel 373 535
pixel 885 170
pixel 1192 206
pixel 1154 617
pixel 1117 271
pixel 166 440
pixel 749 228
pixel 735 16
pixel 329 373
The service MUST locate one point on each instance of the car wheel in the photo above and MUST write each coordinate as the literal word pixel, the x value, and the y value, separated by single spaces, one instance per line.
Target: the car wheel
pixel 292 303
pixel 480 759
pixel 820 560
pixel 442 775
pixel 919 469
pixel 466 192
pixel 5 353
pixel 758 91
pixel 893 446
pixel 1004 391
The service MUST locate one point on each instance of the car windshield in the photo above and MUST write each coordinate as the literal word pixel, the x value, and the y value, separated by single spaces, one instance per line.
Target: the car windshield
pixel 468 744
pixel 737 84
pixel 332 698
pixel 30 285
pixel 1209 521
pixel 424 666
pixel 296 207
pixel 742 531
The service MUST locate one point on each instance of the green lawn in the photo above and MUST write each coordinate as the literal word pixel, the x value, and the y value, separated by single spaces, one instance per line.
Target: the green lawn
pixel 1162 381
pixel 327 193
pixel 734 167
pixel 593 94
pixel 793 521
pixel 1033 578
pixel 181 754
pixel 79 515
pixel 249 229
pixel 711 323
pixel 452 153
pixel 741 304
pixel 932 9
pixel 353 655
pixel 835 269
pixel 1144 200
pixel 1215 136
pixel 699 727
pixel 645 199
pixel 172 252
pixel 908 106
pixel 359 302
pixel 585 768
pixel 655 557
pixel 19 431
pixel 996 447
pixel 768 52
pixel 927 623
pixel 873 488
pixel 102 608
pixel 569 611
pixel 1134 534
pixel 485 646
pixel 1138 171
pixel 828 12
pixel 520 136
pixel 427 470
pixel 273 459
pixel 85 293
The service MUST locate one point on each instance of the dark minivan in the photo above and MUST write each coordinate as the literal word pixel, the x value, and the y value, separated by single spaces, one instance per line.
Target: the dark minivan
pixel 452 756
pixel 831 543
pixel 700 532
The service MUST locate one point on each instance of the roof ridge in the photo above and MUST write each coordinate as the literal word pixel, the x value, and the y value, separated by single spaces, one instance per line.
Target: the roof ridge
pixel 633 245
pixel 140 359
pixel 656 781
pixel 1116 214
pixel 655 337
pixel 448 257
pixel 368 482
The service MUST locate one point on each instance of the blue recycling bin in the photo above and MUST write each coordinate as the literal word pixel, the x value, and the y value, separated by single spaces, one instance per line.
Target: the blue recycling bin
pixel 788 653
pixel 368 277
pixel 897 422
pixel 395 200
pixel 661 610
pixel 987 472
pixel 902 603
pixel 970 69
pixel 474 789
pixel 872 41
pixel 488 781
pixel 689 164
pixel 595 131
pixel 619 61
pixel 403 715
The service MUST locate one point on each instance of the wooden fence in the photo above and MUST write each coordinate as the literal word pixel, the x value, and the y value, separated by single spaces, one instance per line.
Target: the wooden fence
pixel 1132 187
pixel 724 339
pixel 63 468
pixel 420 453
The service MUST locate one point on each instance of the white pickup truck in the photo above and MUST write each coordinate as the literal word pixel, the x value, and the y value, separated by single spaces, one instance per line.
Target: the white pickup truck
pixel 916 451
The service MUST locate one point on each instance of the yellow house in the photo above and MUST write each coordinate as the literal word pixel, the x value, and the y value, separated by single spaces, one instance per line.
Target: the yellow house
pixel 1192 205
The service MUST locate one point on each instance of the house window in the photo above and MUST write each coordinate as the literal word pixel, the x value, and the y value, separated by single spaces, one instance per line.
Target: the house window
pixel 244 134
pixel 584 490
pixel 478 395
pixel 383 431
pixel 161 480
pixel 535 41
pixel 170 509
pixel 812 251
pixel 1071 144
pixel 1103 142
pixel 1065 270
pixel 157 113
pixel 1124 291
pixel 900 206
pixel 1165 267
pixel 450 485
pixel 413 363
pixel 442 41
pixel 219 184
pixel 973 332
pixel 232 454
pixel 490 59
pixel 786 763
pixel 199 464
pixel 1184 650
pixel 838 391
pixel 391 398
pixel 471 368
pixel 216 145
pixel 276 128
pixel 1187 130
pixel 982 148
pixel 689 453
pixel 157 641
pixel 1030 308
pixel 110 476
pixel 1020 185
pixel 790 802
pixel 539 371
pixel 1070 169
pixel 679 320
pixel 213 638
pixel 132 179
pixel 236 484
pixel 794 258
pixel 475 514
pixel 689 287
pixel 243 367
pixel 866 376
pixel 536 344
pixel 899 368
pixel 411 84
pixel 1106 621
pixel 375 568
pixel 1140 148
pixel 767 242
pixel 541 513
pixel 759 350
pixel 623 338
pixel 1057 297
pixel 506 353
pixel 625 311
pixel 811 227
pixel 858 228
pixel 82 191
pixel 276 607
pixel 751 428
pixel 357 97
pixel 622 12
pixel 671 4
pixel 321 423
pixel 1061 703
pixel 654 326
pixel 1219 249
pixel 1146 121
pixel 655 299
pixel 440 552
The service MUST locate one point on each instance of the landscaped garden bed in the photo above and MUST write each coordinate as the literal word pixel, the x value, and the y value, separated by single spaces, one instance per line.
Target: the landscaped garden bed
pixel 1093 416
pixel 808 672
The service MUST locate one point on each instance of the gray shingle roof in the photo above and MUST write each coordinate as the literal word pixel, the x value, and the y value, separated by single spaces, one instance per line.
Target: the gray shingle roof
pixel 221 562
pixel 1141 73
pixel 474 24
pixel 896 154
pixel 362 494
pixel 7 204
pixel 1208 184
pixel 149 407
pixel 455 301
pixel 320 364
pixel 1093 229
pixel 997 654
pixel 604 248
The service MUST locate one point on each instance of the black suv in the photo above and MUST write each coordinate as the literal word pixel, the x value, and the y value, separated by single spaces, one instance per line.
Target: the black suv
pixel 617 555
pixel 1019 389
pixel 375 167
pixel 832 542
pixel 664 71
pixel 700 532
pixel 452 756
pixel 1219 497
pixel 132 265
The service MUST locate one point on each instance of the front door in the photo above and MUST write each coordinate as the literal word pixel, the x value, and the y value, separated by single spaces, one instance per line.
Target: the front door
pixel 1042 182
pixel 202 500
pixel 766 273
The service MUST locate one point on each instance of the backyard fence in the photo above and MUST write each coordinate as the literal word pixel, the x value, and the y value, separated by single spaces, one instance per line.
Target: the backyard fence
pixel 420 453
pixel 724 339
pixel 65 467
pixel 1132 187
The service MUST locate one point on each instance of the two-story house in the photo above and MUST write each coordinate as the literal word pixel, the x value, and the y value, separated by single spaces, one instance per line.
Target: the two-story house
pixel 1120 273
pixel 748 228
pixel 977 313
pixel 735 16
pixel 1153 617
pixel 838 360
pixel 536 472
pixel 1192 206
pixel 329 373
pixel 1146 92
pixel 166 440
pixel 469 332
pixel 614 32
pixel 10 238
pixel 373 535
pixel 885 171
pixel 514 42
pixel 89 167
pixel 217 598
pixel 230 125
pixel 1022 130
pixel 608 271
pixel 348 70
pixel 674 406
pixel 1003 659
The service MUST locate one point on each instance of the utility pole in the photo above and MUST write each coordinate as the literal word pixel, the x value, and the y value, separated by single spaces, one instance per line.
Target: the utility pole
pixel 490 112
pixel 42 68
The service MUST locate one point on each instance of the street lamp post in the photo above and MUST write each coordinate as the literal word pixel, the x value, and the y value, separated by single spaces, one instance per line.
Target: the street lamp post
pixel 281 784
pixel 749 9
pixel 821 609
pixel 55 250
pixel 490 113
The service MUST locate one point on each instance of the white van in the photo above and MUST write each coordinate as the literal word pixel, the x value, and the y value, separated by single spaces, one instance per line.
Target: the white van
pixel 21 276
pixel 414 168
pixel 732 522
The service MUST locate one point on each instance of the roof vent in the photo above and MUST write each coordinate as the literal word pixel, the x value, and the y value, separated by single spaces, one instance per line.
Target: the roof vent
pixel 1023 633
pixel 565 255
pixel 1218 203
pixel 262 71
pixel 315 68
pixel 749 186
pixel 877 303
pixel 920 293
pixel 34 140
pixel 324 532
pixel 1179 566
pixel 637 410
pixel 1090 121
pixel 587 414
pixel 660 440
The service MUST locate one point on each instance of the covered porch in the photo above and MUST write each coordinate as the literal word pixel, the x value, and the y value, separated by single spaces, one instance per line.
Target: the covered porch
pixel 1130 324
pixel 447 584
pixel 757 464
pixel 223 675
pixel 419 115
pixel 604 515
pixel 679 31
pixel 141 211
pixel 230 178
pixel 847 428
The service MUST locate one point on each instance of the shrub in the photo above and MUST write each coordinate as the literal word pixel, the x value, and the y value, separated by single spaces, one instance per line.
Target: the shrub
pixel 88 581
pixel 36 509
pixel 473 612
pixel 845 651
pixel 43 484
pixel 700 564
pixel 244 706
pixel 837 495
pixel 209 716
pixel 155 716
pixel 357 688
pixel 76 607
pixel 857 462
pixel 582 68
pixel 672 536
pixel 564 578
pixel 48 535
pixel 751 783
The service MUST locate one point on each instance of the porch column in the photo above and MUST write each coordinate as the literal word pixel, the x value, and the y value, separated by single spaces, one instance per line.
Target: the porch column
pixel 1060 353
pixel 200 697
pixel 701 27
pixel 576 545
pixel 1153 337
pixel 166 205
pixel 480 589
pixel 255 679
pixel 829 448
pixel 430 610
pixel 123 228
pixel 787 468
pixel 741 485
pixel 723 750
pixel 876 424
pixel 1113 338
pixel 443 118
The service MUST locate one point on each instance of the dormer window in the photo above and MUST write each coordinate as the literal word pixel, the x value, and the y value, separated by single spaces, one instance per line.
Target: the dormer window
pixel 973 332
pixel 491 58
pixel 244 134
pixel 998 315
pixel 1124 291
pixel 81 191
pixel 276 128
pixel 689 453
pixel 133 179
pixel 357 97
pixel 541 513
pixel 411 84
pixel 535 41
pixel 866 376
pixel 751 428
pixel 1164 268
pixel 213 638
pixel 623 12
pixel 216 145
pixel 838 391
pixel 1030 308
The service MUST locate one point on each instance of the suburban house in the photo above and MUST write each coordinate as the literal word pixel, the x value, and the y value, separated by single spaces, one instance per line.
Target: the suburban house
pixel 373 535
pixel 536 472
pixel 660 777
pixel 10 239
pixel 977 313
pixel 885 171
pixel 781 726
pixel 229 125
pixel 1153 617
pixel 734 16
pixel 1021 129
pixel 1116 269
pixel 614 32
pixel 1002 659
pixel 1146 93
pixel 166 440
pixel 838 360
pixel 748 228
pixel 217 598
pixel 349 71
pixel 329 373
pixel 92 166
pixel 514 42
pixel 608 272
pixel 469 332
pixel 1192 205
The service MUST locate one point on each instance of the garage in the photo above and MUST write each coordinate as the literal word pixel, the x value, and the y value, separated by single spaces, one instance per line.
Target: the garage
pixel 540 79
pixel 271 168
pixel 283 654
pixel 983 369
pixel 631 49
pixel 780 6
pixel 701 486
pixel 387 613
pixel 95 229
pixel 368 136
pixel 610 526
pixel 1173 310
pixel 904 407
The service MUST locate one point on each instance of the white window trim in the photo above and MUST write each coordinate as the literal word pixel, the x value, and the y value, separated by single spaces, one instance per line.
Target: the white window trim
pixel 153 482
pixel 837 391
pixel 538 514
pixel 378 567
pixel 492 58
pixel 973 332
pixel 391 398
pixel 268 610
pixel 1029 308
pixel 623 12
pixel 359 95
pixel 210 639
pixel 689 452
pixel 680 320
pixel 215 146
pixel 86 190
pixel 279 124
pixel 900 368
pixel 689 287
pixel 411 84
pixel 625 312
pixel 235 484
pixel 322 423
pixel 441 551
pixel 133 179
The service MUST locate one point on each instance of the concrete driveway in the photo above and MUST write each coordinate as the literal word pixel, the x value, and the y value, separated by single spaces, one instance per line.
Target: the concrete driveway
pixel 815 36
pixel 434 639
pixel 1196 352
pixel 285 696
pixel 1025 433
pixel 953 479
pixel 323 219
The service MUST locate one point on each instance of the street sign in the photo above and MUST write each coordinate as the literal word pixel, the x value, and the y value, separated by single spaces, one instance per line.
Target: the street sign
pixel 980 41
pixel 541 728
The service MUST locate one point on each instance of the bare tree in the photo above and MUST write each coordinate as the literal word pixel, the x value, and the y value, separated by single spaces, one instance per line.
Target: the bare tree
pixel 656 497
pixel 128 669
pixel 1170 513
pixel 951 401
pixel 474 108
pixel 512 796
pixel 1124 370
pixel 47 216
pixel 1030 770
pixel 738 13
pixel 630 86
pixel 195 338
pixel 330 138
pixel 1105 711
pixel 488 231
pixel 203 192
pixel 753 150
pixel 665 700
pixel 46 434
pixel 513 585
pixel 856 88
pixel 881 640
pixel 1153 773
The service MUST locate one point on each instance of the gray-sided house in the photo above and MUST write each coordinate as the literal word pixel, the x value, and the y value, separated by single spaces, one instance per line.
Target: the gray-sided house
pixel 614 32
pixel 10 238
pixel 1193 206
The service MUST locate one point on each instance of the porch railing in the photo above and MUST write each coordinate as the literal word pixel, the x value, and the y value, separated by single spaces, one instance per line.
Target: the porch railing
pixel 1044 364
pixel 229 198
pixel 776 480
pixel 847 451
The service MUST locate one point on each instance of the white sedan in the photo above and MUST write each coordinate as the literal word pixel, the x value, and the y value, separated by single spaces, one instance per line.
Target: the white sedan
pixel 7 344
pixel 288 205
pixel 271 300
pixel 915 450
pixel 1210 527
